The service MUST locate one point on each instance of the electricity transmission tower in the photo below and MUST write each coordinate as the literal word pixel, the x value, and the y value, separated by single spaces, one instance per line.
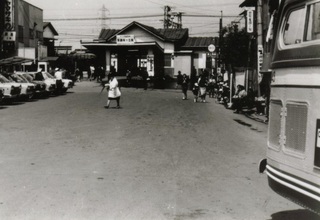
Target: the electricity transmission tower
pixel 104 12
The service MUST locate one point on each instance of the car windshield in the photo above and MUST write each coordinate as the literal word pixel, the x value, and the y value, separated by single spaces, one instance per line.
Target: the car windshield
pixel 39 76
pixel 28 77
pixel 49 75
pixel 17 78
pixel 4 79
pixel 23 78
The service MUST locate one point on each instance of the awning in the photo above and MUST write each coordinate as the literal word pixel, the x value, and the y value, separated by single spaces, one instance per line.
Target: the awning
pixel 14 60
pixel 83 56
pixel 95 45
pixel 47 59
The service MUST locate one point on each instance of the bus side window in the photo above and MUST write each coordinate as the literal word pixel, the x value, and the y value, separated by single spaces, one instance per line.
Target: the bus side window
pixel 313 22
pixel 294 27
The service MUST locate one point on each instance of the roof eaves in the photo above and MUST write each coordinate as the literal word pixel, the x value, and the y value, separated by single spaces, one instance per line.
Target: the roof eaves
pixel 48 24
pixel 145 27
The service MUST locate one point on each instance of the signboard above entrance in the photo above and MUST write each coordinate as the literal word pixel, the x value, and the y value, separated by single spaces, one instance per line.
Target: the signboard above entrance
pixel 125 39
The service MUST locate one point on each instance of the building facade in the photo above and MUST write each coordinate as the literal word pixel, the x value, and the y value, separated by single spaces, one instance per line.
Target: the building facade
pixel 49 33
pixel 158 51
pixel 25 37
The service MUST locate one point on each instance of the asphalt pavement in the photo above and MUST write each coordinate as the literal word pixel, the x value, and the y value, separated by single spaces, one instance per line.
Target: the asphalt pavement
pixel 158 157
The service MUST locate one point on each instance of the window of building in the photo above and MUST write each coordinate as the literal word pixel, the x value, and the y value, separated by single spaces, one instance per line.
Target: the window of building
pixel 167 60
pixel 31 33
pixel 39 35
pixel 20 34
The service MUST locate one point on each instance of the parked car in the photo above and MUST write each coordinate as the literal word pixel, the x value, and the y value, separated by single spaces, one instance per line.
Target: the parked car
pixel 40 86
pixel 1 94
pixel 27 88
pixel 10 90
pixel 37 77
pixel 66 83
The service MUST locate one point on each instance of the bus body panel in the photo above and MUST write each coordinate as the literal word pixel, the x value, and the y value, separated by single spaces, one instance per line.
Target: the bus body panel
pixel 293 152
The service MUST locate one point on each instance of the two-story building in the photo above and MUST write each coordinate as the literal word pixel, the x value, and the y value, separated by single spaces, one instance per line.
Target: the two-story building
pixel 23 30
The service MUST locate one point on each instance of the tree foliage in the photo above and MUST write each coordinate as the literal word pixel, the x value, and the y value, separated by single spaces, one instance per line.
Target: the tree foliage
pixel 235 47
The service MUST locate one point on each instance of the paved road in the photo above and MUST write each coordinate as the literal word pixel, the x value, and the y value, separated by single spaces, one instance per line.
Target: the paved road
pixel 159 157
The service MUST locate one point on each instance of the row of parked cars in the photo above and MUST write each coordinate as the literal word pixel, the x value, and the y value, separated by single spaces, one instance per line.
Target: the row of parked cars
pixel 27 85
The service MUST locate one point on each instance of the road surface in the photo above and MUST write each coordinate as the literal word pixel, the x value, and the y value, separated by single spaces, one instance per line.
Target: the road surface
pixel 158 157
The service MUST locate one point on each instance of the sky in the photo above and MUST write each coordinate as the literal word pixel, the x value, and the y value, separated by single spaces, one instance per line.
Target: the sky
pixel 120 13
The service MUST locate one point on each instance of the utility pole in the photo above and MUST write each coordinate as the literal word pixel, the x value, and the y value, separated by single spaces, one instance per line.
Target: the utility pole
pixel 259 44
pixel 220 45
pixel 169 16
pixel 166 17
pixel 179 16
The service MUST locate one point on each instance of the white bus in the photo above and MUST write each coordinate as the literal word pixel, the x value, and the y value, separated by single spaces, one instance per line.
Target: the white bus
pixel 293 152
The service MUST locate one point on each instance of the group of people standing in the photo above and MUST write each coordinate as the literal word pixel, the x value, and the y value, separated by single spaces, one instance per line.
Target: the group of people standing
pixel 200 85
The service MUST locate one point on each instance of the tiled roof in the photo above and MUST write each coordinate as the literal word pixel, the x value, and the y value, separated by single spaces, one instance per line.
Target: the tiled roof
pixel 197 42
pixel 174 34
pixel 248 3
pixel 105 34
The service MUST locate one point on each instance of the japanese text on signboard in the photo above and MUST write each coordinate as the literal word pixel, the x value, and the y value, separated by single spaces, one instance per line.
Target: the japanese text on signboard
pixel 250 19
pixel 8 15
pixel 125 39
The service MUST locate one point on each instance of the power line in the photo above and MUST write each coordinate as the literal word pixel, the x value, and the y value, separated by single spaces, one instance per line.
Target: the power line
pixel 210 16
pixel 85 35
pixel 139 16
pixel 107 18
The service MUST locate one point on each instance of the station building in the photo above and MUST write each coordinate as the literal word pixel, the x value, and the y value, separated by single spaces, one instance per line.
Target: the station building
pixel 159 51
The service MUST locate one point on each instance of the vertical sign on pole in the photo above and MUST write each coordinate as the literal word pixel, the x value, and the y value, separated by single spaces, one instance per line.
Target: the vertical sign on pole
pixel 8 16
pixel 317 145
pixel 9 36
pixel 260 61
pixel 250 19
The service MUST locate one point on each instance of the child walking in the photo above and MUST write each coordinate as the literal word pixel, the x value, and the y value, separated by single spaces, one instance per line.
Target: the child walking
pixel 195 91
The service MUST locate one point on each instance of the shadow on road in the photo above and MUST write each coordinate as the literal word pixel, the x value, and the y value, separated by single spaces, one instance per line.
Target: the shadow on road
pixel 242 122
pixel 12 103
pixel 299 214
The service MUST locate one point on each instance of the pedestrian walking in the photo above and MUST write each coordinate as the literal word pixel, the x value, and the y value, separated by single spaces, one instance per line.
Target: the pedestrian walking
pixel 129 76
pixel 211 86
pixel 114 92
pixel 179 79
pixel 202 82
pixel 77 73
pixel 93 73
pixel 193 77
pixel 145 75
pixel 195 91
pixel 100 74
pixel 184 85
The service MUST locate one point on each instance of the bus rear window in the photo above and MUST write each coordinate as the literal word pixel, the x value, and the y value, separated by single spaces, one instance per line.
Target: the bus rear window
pixel 294 27
pixel 313 19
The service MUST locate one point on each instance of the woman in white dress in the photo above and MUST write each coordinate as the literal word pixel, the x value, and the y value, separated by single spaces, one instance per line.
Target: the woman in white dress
pixel 113 90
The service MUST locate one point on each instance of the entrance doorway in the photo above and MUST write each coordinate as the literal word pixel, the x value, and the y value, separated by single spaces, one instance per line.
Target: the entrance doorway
pixel 136 58
pixel 132 60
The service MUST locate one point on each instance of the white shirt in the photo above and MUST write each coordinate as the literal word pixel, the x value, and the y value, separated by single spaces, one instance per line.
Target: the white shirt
pixel 58 74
